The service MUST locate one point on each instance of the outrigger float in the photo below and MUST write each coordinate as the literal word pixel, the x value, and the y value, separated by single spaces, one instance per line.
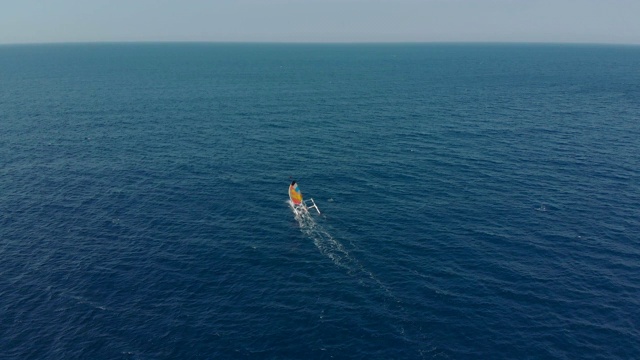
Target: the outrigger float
pixel 297 203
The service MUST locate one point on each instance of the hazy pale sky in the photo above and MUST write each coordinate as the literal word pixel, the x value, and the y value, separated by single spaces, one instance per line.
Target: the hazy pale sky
pixel 581 21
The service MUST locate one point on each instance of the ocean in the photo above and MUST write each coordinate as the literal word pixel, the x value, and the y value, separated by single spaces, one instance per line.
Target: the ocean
pixel 478 201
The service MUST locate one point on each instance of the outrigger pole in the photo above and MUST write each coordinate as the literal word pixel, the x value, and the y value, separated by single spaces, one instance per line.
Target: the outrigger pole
pixel 314 206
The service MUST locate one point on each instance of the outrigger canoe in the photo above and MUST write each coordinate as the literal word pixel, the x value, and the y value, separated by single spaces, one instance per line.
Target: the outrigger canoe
pixel 297 202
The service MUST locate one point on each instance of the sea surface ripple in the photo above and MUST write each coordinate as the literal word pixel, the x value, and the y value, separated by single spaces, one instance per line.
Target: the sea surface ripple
pixel 478 201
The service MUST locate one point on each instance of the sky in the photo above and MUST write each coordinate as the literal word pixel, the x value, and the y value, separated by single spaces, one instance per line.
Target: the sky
pixel 549 21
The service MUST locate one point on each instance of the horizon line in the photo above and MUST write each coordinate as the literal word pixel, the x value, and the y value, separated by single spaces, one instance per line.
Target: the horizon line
pixel 452 42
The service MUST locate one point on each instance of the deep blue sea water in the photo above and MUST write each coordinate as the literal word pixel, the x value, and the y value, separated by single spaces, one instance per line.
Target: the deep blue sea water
pixel 478 201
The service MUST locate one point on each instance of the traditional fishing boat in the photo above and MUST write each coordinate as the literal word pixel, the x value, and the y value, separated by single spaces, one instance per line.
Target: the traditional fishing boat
pixel 297 202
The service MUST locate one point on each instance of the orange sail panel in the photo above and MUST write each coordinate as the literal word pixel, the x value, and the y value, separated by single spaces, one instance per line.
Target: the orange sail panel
pixel 295 195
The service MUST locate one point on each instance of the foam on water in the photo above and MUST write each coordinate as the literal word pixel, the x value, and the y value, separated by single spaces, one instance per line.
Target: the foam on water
pixel 334 249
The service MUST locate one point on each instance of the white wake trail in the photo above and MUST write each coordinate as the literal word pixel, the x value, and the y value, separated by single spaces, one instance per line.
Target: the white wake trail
pixel 323 240
pixel 339 255
pixel 334 250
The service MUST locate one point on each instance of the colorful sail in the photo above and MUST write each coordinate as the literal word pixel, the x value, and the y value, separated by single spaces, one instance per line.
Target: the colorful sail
pixel 294 193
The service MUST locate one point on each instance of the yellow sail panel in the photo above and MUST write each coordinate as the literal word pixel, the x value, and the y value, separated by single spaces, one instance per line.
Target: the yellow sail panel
pixel 294 194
